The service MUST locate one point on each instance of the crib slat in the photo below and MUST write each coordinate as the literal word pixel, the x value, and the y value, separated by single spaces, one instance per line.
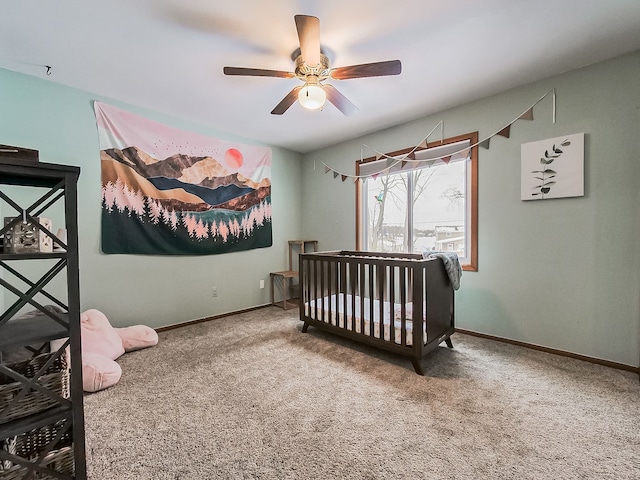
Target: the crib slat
pixel 392 301
pixel 417 314
pixel 307 284
pixel 315 288
pixel 371 297
pixel 310 288
pixel 326 298
pixel 323 290
pixel 305 281
pixel 327 276
pixel 348 301
pixel 343 299
pixel 361 293
pixel 336 283
pixel 380 274
pixel 403 305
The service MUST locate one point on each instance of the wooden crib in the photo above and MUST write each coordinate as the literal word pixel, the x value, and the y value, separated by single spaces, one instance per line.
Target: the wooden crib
pixel 402 303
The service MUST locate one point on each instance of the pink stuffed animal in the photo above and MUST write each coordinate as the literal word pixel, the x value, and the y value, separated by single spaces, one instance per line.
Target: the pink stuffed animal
pixel 102 344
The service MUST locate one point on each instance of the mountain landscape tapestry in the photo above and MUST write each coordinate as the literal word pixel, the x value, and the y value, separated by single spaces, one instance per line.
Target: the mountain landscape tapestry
pixel 170 192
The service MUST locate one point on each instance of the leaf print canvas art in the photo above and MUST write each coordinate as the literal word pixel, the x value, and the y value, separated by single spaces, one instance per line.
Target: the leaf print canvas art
pixel 553 168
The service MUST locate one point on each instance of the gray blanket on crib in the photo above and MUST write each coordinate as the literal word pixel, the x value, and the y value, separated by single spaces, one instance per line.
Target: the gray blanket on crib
pixel 451 265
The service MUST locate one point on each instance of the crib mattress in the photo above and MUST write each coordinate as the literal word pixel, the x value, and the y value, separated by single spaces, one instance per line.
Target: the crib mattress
pixel 333 306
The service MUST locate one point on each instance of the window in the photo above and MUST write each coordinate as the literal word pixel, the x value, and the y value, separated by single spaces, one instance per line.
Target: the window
pixel 421 199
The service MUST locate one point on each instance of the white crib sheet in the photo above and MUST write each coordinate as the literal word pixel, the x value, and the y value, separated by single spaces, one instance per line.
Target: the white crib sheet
pixel 333 305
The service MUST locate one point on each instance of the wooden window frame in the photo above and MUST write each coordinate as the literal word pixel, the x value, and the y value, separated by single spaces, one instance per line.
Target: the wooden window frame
pixel 472 265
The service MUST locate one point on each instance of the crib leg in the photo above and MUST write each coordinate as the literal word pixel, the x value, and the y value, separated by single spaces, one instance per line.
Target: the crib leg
pixel 417 366
pixel 449 342
pixel 304 327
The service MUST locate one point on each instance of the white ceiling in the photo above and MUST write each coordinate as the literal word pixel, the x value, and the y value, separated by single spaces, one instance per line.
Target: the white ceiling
pixel 168 55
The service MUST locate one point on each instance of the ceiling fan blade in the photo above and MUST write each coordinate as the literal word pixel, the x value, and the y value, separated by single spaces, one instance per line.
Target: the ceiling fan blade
pixel 377 69
pixel 257 72
pixel 341 102
pixel 287 101
pixel 309 36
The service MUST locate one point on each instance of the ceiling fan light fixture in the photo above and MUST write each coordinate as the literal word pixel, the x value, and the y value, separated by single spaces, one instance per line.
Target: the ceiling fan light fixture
pixel 312 96
pixel 312 68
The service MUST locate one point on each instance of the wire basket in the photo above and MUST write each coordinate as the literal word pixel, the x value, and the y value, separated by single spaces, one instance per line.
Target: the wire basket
pixel 55 379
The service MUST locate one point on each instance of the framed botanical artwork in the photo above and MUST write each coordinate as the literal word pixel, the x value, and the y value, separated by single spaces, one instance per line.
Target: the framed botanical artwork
pixel 553 168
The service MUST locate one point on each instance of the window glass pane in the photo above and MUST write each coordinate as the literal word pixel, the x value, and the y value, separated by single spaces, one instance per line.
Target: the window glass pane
pixel 439 209
pixel 387 213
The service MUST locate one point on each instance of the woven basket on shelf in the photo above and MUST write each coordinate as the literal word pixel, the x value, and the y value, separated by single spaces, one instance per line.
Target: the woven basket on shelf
pixel 59 460
pixel 55 379
pixel 30 444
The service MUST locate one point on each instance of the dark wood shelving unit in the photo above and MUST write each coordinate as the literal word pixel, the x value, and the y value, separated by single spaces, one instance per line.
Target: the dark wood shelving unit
pixel 42 324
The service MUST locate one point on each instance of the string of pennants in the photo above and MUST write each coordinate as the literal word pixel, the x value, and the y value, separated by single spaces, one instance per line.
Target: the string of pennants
pixel 403 160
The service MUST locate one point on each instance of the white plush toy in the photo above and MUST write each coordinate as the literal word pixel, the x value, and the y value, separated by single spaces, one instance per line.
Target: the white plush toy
pixel 102 344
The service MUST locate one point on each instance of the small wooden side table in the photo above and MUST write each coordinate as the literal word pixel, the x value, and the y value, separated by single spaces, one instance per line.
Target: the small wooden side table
pixel 285 276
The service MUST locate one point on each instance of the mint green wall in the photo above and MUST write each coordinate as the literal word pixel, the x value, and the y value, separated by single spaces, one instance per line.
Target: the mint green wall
pixel 158 291
pixel 561 273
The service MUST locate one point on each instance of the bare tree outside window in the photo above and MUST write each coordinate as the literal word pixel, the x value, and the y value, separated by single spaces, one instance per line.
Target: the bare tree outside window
pixel 387 204
pixel 392 225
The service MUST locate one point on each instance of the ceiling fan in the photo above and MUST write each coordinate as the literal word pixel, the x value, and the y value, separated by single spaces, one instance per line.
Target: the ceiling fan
pixel 312 67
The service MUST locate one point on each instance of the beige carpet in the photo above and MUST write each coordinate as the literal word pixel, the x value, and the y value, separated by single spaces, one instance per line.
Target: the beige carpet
pixel 250 396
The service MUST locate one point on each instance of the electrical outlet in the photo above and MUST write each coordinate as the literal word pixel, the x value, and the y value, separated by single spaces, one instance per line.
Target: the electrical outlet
pixel 261 283
pixel 214 291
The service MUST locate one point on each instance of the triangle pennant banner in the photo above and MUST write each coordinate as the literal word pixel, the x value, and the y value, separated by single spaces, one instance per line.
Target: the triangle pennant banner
pixel 335 174
pixel 410 157
pixel 528 115
pixel 505 131
pixel 326 169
